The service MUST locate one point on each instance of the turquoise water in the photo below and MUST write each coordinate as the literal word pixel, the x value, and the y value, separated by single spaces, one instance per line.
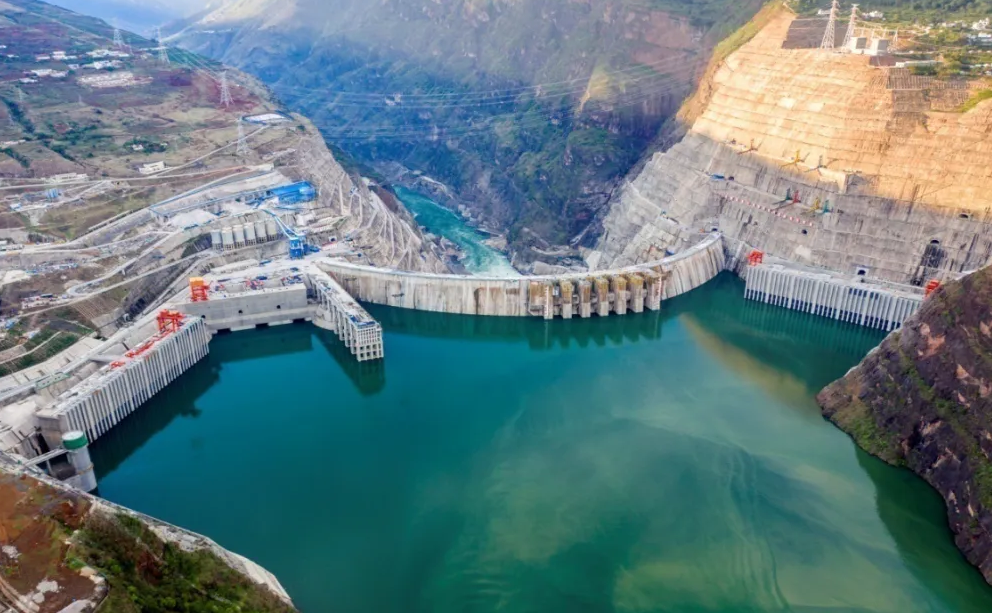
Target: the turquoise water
pixel 671 461
pixel 480 259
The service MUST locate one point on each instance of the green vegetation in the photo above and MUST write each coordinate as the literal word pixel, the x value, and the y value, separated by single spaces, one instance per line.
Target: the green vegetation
pixel 539 161
pixel 55 345
pixel 909 11
pixel 147 575
pixel 857 420
pixel 19 115
pixel 148 146
pixel 19 157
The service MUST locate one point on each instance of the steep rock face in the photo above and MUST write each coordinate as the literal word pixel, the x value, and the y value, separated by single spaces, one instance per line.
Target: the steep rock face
pixel 892 180
pixel 923 400
pixel 530 111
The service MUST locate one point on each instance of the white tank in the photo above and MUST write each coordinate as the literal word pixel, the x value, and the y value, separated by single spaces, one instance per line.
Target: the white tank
pixel 79 456
pixel 215 238
pixel 271 228
pixel 250 232
pixel 227 237
pixel 239 234
pixel 260 230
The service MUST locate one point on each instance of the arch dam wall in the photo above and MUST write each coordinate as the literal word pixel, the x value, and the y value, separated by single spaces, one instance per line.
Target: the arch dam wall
pixel 893 182
pixel 628 289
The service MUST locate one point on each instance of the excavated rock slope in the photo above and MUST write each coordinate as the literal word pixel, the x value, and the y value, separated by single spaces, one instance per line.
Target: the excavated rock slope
pixel 906 179
pixel 382 230
pixel 924 400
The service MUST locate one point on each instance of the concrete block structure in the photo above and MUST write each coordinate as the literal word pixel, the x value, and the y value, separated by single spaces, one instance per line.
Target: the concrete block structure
pixel 104 399
pixel 585 298
pixel 338 312
pixel 237 309
pixel 853 300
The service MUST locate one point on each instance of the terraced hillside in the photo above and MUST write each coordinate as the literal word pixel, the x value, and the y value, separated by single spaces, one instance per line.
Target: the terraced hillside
pixel 827 158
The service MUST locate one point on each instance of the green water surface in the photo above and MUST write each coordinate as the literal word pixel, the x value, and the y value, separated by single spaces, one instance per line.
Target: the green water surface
pixel 479 258
pixel 671 461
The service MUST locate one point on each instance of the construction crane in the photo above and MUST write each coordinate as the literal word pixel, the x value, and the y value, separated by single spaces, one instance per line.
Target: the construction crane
pixel 298 246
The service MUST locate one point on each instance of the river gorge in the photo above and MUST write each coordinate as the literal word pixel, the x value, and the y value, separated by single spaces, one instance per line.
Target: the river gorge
pixel 673 461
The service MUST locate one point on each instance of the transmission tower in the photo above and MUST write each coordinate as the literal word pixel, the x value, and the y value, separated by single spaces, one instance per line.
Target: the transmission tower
pixel 118 39
pixel 163 51
pixel 20 95
pixel 225 92
pixel 850 26
pixel 828 36
pixel 242 140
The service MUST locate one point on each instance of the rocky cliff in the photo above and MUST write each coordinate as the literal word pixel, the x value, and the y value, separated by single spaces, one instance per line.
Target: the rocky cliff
pixel 529 111
pixel 824 157
pixel 923 400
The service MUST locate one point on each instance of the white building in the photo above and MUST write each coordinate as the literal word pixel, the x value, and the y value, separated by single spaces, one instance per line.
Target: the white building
pixel 152 168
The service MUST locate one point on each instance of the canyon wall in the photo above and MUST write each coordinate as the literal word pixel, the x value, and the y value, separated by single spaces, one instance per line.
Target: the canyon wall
pixel 893 182
pixel 923 400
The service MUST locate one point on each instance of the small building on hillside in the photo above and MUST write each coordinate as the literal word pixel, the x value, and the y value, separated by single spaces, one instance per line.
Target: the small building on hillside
pixel 151 168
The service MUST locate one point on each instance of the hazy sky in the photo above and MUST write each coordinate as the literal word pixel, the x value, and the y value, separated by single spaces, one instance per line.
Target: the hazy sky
pixel 135 15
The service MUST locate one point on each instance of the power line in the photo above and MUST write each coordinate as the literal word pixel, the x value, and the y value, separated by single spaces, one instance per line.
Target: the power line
pixel 225 92
pixel 851 24
pixel 684 70
pixel 538 88
pixel 828 35
pixel 163 50
pixel 242 140
pixel 434 132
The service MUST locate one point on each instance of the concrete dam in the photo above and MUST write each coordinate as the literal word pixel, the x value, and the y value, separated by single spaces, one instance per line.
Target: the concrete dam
pixel 629 289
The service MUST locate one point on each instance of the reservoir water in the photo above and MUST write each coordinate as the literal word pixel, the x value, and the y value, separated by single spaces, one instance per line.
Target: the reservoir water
pixel 671 461
pixel 480 258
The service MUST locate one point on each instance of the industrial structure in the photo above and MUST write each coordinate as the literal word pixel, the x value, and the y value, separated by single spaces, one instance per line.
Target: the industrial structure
pixel 855 300
pixel 104 399
pixel 627 290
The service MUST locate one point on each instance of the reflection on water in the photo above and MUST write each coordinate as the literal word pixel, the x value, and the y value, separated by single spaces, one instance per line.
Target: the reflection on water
pixel 671 461
pixel 538 333
pixel 368 377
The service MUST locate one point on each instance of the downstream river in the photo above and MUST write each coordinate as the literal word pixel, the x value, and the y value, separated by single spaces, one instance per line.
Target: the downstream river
pixel 480 258
pixel 671 461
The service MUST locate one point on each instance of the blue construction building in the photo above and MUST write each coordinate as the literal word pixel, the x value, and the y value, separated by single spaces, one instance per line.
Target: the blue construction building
pixel 294 193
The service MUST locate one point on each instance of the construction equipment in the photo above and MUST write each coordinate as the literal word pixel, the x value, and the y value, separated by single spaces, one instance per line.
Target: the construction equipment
pixel 795 160
pixel 169 321
pixel 932 286
pixel 198 289
pixel 298 246
pixel 755 257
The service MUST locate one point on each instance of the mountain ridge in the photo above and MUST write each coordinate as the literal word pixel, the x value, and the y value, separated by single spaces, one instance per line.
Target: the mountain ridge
pixel 531 114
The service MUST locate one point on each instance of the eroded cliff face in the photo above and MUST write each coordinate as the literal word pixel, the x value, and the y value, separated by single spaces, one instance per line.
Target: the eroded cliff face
pixel 923 400
pixel 892 179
